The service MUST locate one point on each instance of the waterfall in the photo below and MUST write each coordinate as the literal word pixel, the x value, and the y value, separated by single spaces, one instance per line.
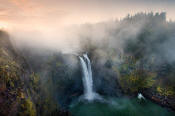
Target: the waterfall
pixel 89 94
pixel 89 68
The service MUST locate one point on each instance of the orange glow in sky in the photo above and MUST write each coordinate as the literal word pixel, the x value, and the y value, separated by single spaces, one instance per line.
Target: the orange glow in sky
pixel 48 13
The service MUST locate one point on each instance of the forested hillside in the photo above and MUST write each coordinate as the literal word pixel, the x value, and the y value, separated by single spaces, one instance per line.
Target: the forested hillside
pixel 130 56
pixel 20 90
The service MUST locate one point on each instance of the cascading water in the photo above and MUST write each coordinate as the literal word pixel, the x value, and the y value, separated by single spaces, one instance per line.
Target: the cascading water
pixel 89 67
pixel 89 94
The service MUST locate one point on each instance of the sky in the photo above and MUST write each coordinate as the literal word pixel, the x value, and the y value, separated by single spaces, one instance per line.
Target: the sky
pixel 55 24
pixel 45 13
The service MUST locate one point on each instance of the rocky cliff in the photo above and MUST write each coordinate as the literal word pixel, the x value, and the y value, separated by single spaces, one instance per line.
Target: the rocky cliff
pixel 20 91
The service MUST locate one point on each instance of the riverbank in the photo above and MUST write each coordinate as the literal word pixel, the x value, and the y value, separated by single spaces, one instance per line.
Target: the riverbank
pixel 168 102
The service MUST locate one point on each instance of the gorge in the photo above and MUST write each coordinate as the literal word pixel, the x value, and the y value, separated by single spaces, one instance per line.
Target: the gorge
pixel 118 62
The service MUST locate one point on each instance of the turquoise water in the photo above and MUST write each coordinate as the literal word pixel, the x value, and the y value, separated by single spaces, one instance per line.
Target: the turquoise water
pixel 119 107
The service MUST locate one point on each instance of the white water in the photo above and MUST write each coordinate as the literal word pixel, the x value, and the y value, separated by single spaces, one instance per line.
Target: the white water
pixel 89 94
pixel 140 96
pixel 89 69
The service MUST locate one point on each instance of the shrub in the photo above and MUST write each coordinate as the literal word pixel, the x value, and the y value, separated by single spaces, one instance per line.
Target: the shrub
pixel 27 108
pixel 165 91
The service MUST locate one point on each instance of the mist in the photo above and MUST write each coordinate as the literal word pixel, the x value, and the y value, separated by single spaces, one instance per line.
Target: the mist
pixel 102 36
pixel 59 25
pixel 52 51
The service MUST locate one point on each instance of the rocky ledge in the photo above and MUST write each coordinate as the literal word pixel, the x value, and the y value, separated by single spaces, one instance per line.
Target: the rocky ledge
pixel 164 101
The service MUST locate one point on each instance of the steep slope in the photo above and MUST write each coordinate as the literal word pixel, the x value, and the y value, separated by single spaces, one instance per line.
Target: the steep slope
pixel 20 91
pixel 12 76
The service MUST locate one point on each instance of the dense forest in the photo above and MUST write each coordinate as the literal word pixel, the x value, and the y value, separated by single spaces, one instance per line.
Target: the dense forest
pixel 135 55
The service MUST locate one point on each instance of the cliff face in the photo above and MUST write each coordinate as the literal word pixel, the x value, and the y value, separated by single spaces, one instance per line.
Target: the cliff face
pixel 20 90
pixel 14 74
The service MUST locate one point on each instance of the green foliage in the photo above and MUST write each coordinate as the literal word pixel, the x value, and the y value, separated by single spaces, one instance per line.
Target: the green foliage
pixel 133 78
pixel 137 80
pixel 43 95
pixel 21 90
pixel 27 108
pixel 146 58
pixel 58 64
pixel 165 91
pixel 35 82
